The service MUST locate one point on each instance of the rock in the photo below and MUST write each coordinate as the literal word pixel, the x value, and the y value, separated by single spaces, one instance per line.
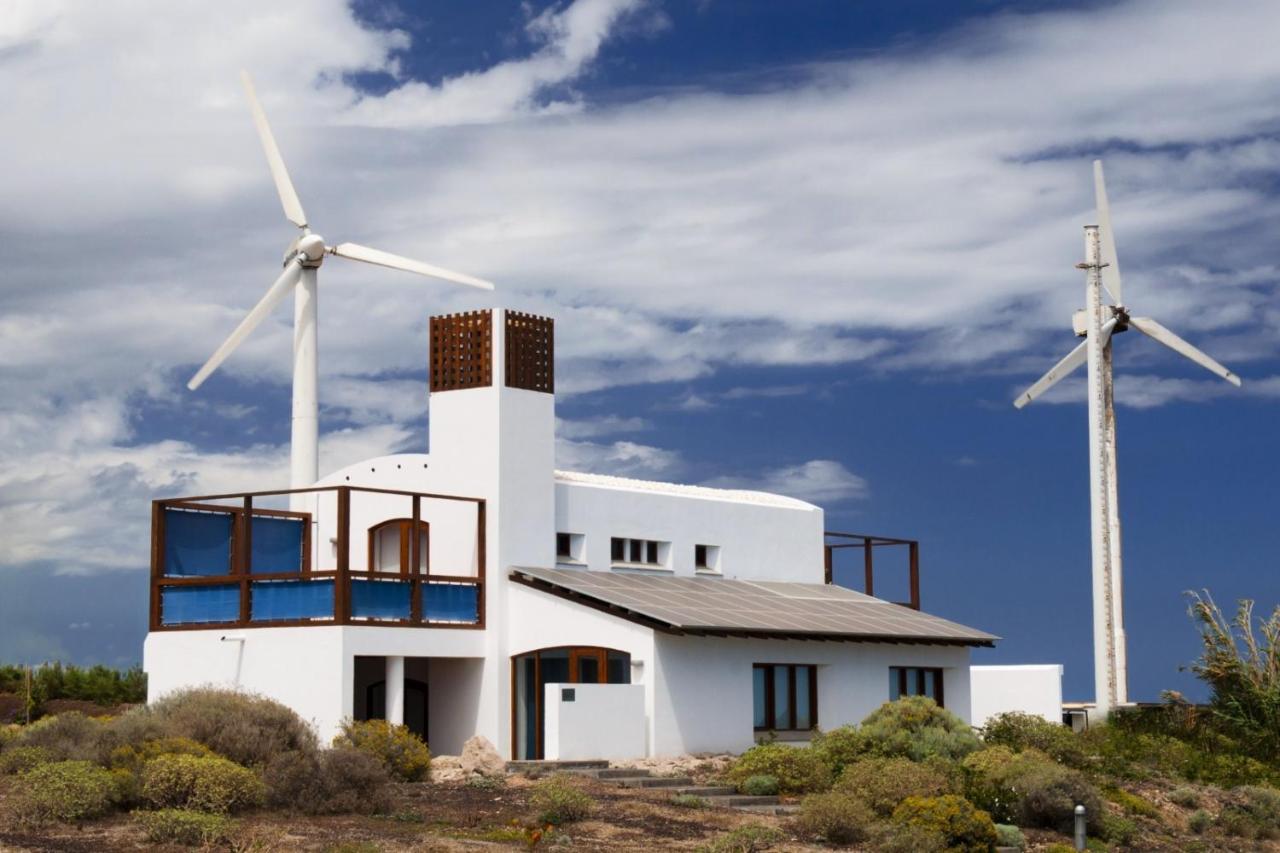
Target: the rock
pixel 447 768
pixel 480 758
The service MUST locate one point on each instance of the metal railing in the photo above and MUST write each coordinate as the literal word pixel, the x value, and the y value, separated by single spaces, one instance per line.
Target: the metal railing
pixel 868 544
pixel 235 561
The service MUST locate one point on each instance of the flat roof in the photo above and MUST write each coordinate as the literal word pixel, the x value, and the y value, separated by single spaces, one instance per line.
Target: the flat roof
pixel 746 496
pixel 701 606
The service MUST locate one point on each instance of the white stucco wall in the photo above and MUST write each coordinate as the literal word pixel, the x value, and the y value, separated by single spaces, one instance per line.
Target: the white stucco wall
pixel 1032 689
pixel 703 699
pixel 603 721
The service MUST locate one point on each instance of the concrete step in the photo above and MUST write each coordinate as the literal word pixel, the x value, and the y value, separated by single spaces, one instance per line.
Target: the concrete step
pixel 554 766
pixel 613 773
pixel 653 782
pixel 707 790
pixel 736 801
pixel 776 809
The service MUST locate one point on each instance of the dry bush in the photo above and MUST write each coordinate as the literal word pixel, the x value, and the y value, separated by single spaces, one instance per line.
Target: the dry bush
pixel 965 827
pixel 403 753
pixel 61 792
pixel 1047 794
pixel 248 729
pixel 189 828
pixel 68 737
pixel 133 758
pixel 19 759
pixel 882 783
pixel 798 769
pixel 342 780
pixel 201 783
pixel 1020 731
pixel 836 817
pixel 560 799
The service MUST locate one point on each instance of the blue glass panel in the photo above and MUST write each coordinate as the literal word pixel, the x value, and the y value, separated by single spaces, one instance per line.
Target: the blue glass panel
pixel 804 719
pixel 895 691
pixel 186 605
pixel 451 602
pixel 379 599
pixel 197 543
pixel 276 544
pixel 781 698
pixel 759 715
pixel 276 600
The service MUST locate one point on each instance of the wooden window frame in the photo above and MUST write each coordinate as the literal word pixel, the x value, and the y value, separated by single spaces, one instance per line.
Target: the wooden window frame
pixel 918 672
pixel 576 653
pixel 406 560
pixel 770 718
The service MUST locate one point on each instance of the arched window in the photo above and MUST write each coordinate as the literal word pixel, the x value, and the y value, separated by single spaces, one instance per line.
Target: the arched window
pixel 389 546
pixel 532 671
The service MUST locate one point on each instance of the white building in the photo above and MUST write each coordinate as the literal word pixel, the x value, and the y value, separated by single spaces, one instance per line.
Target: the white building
pixel 561 615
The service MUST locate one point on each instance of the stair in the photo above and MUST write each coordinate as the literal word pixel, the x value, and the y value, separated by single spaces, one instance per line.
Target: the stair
pixel 555 766
pixel 723 796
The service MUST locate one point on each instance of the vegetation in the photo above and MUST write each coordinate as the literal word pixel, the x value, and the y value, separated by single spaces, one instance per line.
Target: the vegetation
pixel 796 769
pixel 342 780
pixel 249 730
pixel 965 827
pixel 690 801
pixel 1025 731
pixel 1008 835
pixel 559 799
pixel 760 785
pixel 401 751
pixel 746 839
pixel 916 728
pixel 882 783
pixel 204 783
pixel 56 681
pixel 836 817
pixel 190 828
pixel 62 792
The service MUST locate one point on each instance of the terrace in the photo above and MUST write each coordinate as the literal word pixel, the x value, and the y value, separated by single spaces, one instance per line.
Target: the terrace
pixel 868 545
pixel 336 555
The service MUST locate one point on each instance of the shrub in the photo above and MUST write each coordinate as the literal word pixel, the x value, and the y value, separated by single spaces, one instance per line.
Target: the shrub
pixel 898 838
pixel 62 791
pixel 405 755
pixel 882 783
pixel 839 747
pixel 559 799
pixel 1008 835
pixel 760 785
pixel 984 784
pixel 751 838
pixel 1253 813
pixel 132 757
pixel 1132 803
pixel 1118 829
pixel 798 770
pixel 1200 821
pixel 202 783
pixel 917 728
pixel 342 780
pixel 838 818
pixel 1047 794
pixel 1186 797
pixel 180 826
pixel 248 729
pixel 19 759
pixel 1019 731
pixel 955 818
pixel 67 737
pixel 690 801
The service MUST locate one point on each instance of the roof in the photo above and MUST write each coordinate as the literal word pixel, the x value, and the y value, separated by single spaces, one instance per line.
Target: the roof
pixel 704 492
pixel 734 608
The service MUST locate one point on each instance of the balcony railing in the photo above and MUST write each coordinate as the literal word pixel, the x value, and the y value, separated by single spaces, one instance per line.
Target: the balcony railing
pixel 868 545
pixel 341 555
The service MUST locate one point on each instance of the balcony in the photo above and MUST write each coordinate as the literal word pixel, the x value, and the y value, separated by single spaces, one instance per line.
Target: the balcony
pixel 868 545
pixel 337 555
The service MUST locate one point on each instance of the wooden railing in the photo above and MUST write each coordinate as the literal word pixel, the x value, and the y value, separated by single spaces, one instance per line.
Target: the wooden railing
pixel 868 544
pixel 219 561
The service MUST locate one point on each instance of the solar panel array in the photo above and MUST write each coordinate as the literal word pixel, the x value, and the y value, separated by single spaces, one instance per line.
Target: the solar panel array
pixel 774 607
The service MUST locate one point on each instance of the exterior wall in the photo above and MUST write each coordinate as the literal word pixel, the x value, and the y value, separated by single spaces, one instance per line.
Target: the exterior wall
pixel 704 696
pixel 756 541
pixel 1032 689
pixel 604 721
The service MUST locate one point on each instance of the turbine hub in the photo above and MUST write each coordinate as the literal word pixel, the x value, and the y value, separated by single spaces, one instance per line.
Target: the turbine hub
pixel 308 248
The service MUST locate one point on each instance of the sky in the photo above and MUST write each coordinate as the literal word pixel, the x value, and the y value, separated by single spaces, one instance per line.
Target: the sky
pixel 809 247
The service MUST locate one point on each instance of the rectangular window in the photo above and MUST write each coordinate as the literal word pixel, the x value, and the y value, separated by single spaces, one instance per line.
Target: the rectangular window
pixel 642 552
pixel 700 556
pixel 915 681
pixel 706 558
pixel 637 550
pixel 563 541
pixel 785 696
pixel 618 549
pixel 569 548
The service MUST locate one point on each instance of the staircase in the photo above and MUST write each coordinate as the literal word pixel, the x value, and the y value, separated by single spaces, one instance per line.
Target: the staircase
pixel 723 796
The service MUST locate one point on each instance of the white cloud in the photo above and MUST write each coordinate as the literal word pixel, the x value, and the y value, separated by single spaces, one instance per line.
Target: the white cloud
pixel 600 425
pixel 618 458
pixel 821 481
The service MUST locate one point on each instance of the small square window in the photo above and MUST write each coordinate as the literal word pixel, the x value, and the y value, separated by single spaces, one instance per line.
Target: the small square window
pixel 564 546
pixel 619 549
pixel 637 550
pixel 651 553
pixel 700 556
pixel 706 558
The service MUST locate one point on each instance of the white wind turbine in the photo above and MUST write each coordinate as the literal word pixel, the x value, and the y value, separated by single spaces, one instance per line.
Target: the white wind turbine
pixel 302 260
pixel 1096 324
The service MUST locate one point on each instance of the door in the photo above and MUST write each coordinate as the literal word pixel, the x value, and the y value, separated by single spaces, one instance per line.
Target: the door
pixel 533 671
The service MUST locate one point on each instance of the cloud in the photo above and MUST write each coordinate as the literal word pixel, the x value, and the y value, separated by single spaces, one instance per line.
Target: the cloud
pixel 619 458
pixel 1143 391
pixel 821 481
pixel 599 426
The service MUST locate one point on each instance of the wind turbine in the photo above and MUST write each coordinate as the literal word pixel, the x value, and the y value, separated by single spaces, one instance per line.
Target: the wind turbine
pixel 1097 324
pixel 302 260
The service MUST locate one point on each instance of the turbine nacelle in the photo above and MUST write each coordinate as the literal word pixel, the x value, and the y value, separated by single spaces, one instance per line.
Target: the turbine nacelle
pixel 1080 320
pixel 309 249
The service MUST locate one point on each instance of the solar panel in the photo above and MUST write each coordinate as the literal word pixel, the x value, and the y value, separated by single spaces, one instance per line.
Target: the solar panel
pixel 766 607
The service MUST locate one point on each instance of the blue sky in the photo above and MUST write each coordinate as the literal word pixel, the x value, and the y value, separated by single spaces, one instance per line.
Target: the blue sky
pixel 816 247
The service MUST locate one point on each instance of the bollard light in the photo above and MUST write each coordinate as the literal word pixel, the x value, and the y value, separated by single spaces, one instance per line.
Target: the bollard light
pixel 1080 835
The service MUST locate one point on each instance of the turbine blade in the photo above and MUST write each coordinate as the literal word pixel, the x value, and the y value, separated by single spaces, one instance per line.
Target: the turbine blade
pixel 1152 329
pixel 1070 362
pixel 278 291
pixel 1111 272
pixel 356 252
pixel 284 186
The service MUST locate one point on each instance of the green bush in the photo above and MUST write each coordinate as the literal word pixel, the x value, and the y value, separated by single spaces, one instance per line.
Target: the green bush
pixel 984 784
pixel 1254 812
pixel 1132 803
pixel 68 737
pixel 201 783
pixel 898 838
pixel 965 827
pixel 248 729
pixel 882 783
pixel 690 801
pixel 19 759
pixel 1008 835
pixel 751 838
pixel 189 828
pixel 1019 731
pixel 1118 829
pixel 560 799
pixel 405 755
pixel 1186 797
pixel 915 727
pixel 62 792
pixel 839 747
pixel 835 817
pixel 1199 821
pixel 1047 794
pixel 797 769
pixel 761 785
pixel 342 780
pixel 132 757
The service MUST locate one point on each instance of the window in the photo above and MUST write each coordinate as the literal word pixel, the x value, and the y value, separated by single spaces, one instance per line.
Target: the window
pixel 706 558
pixel 389 546
pixel 569 548
pixel 785 696
pixel 644 552
pixel 915 681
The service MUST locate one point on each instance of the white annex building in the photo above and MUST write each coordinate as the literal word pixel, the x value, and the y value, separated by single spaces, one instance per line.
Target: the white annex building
pixel 477 590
